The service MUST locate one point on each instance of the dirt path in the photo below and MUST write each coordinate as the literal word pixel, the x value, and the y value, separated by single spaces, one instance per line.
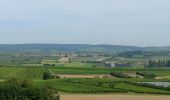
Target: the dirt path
pixel 114 97
pixel 86 76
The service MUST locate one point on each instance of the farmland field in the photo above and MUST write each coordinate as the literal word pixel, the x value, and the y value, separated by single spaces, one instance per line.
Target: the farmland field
pixel 85 80
pixel 19 72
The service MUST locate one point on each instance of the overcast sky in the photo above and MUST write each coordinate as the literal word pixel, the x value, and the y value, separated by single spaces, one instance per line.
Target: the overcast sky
pixel 118 22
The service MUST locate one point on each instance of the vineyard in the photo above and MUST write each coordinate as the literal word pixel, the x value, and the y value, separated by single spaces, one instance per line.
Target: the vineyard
pixel 118 83
pixel 21 73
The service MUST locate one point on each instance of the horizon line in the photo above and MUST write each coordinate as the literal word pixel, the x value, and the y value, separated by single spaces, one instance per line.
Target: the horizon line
pixel 76 44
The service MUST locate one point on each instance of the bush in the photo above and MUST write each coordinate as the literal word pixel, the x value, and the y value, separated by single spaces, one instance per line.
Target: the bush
pixel 120 75
pixel 19 82
pixel 47 75
pixel 93 66
pixel 18 89
pixel 146 75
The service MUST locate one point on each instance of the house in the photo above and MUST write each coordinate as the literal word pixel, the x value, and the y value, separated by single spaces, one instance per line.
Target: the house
pixel 110 64
pixel 122 64
pixel 64 60
pixel 116 64
pixel 48 62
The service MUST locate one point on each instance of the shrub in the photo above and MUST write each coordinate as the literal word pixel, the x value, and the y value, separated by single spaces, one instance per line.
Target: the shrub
pixel 148 75
pixel 120 75
pixel 18 89
pixel 48 75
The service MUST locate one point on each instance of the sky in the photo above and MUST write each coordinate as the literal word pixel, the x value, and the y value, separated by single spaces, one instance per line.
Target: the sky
pixel 117 22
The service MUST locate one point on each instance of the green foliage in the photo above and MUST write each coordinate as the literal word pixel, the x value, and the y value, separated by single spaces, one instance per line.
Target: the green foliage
pixel 23 83
pixel 159 63
pixel 146 74
pixel 47 75
pixel 130 54
pixel 120 75
pixel 17 89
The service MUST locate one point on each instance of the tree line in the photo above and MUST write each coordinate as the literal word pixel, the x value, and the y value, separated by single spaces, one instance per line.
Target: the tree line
pixel 158 63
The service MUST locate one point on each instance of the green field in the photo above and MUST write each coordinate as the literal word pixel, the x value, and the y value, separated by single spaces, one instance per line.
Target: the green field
pixel 19 72
pixel 35 72
pixel 83 85
pixel 91 86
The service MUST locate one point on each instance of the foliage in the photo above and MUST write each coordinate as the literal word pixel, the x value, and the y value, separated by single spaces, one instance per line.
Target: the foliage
pixel 48 75
pixel 146 74
pixel 120 75
pixel 18 89
pixel 159 63
pixel 130 54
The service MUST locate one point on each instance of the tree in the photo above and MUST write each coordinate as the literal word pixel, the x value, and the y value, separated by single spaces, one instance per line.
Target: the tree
pixel 168 63
pixel 94 66
pixel 47 75
pixel 49 93
pixel 19 89
pixel 159 63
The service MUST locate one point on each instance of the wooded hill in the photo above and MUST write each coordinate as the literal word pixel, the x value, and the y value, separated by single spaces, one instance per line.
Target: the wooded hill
pixel 78 48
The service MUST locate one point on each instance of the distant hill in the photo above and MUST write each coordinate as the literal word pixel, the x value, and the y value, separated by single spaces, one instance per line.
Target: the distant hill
pixel 77 48
pixel 166 48
pixel 111 48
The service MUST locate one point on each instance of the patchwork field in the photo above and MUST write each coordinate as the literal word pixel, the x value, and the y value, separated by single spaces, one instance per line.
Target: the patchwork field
pixel 89 79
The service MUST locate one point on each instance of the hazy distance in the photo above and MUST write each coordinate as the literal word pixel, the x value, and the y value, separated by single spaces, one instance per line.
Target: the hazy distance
pixel 117 22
